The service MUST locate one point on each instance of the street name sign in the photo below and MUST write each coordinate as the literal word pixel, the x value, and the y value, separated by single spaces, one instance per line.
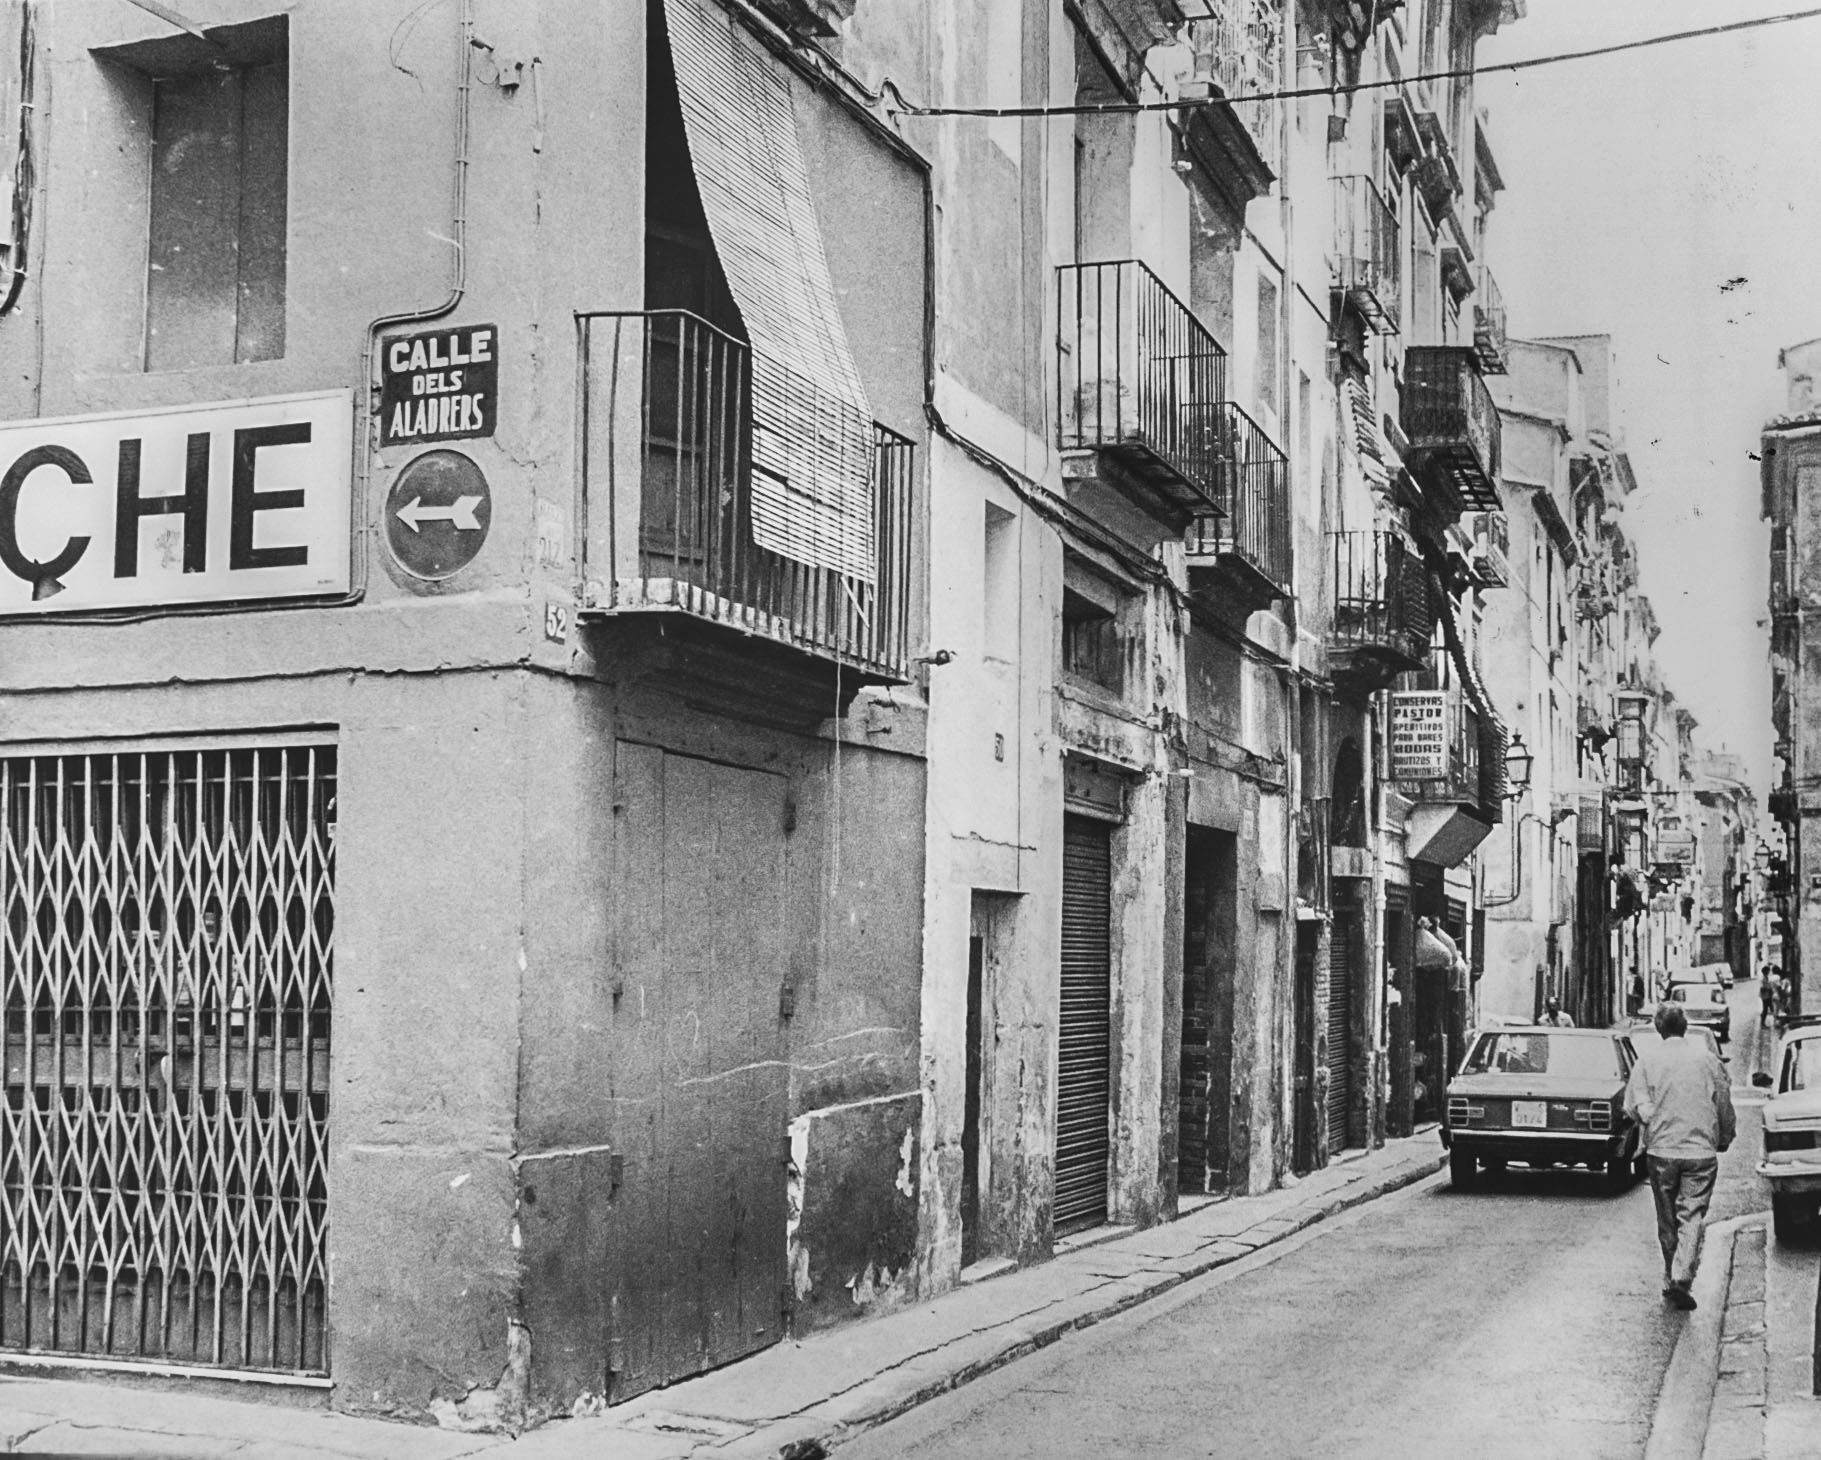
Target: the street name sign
pixel 190 504
pixel 440 385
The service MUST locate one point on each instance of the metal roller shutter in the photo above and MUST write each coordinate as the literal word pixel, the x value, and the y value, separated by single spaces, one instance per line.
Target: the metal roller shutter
pixel 1084 1074
pixel 1340 1031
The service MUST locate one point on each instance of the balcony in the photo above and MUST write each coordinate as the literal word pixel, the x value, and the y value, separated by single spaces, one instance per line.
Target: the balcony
pixel 1453 428
pixel 1457 270
pixel 1141 383
pixel 1367 252
pixel 1489 562
pixel 1382 614
pixel 1244 555
pixel 1238 46
pixel 1438 175
pixel 1450 760
pixel 775 591
pixel 1782 600
pixel 1491 343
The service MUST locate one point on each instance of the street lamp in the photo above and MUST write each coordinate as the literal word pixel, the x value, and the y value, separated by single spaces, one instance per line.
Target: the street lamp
pixel 1518 761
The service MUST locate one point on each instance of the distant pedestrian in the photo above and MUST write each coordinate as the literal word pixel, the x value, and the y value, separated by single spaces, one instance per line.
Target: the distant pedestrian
pixel 1767 997
pixel 1553 1015
pixel 1635 995
pixel 1681 1095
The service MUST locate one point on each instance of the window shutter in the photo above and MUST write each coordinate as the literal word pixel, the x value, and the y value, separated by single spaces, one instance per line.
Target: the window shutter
pixel 812 432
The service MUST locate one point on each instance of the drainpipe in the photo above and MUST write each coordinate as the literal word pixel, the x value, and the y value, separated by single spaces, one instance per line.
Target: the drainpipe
pixel 458 286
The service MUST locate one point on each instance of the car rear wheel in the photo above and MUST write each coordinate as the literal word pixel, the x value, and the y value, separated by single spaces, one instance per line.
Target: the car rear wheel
pixel 1463 1169
pixel 1618 1173
pixel 1788 1215
pixel 1640 1166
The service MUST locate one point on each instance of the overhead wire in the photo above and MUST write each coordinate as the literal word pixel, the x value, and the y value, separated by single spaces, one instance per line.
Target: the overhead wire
pixel 1125 108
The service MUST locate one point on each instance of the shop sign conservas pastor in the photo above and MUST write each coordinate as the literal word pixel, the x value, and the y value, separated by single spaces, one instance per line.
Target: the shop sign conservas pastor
pixel 193 504
pixel 1420 726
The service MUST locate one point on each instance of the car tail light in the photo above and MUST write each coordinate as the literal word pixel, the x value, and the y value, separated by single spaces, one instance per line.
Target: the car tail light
pixel 1597 1116
pixel 1789 1140
pixel 1460 1112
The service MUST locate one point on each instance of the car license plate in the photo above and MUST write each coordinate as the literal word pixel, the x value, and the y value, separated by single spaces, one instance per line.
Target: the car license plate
pixel 1531 1114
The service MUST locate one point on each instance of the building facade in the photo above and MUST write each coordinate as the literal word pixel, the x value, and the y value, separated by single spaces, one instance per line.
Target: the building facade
pixel 705 667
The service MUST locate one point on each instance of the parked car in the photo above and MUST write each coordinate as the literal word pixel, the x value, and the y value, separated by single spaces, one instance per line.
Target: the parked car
pixel 1720 973
pixel 1792 1131
pixel 1545 1097
pixel 1706 1005
pixel 1643 1034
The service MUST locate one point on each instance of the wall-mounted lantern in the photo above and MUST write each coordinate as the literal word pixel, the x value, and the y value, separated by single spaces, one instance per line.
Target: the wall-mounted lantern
pixel 1518 761
pixel 1633 740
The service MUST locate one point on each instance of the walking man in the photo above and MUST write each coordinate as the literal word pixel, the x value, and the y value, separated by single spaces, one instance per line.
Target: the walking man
pixel 1553 1015
pixel 1681 1095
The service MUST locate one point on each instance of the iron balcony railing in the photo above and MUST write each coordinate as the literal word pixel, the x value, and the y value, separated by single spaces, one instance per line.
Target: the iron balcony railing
pixel 1452 426
pixel 1490 339
pixel 1368 253
pixel 1238 46
pixel 668 426
pixel 1137 374
pixel 1381 598
pixel 1253 489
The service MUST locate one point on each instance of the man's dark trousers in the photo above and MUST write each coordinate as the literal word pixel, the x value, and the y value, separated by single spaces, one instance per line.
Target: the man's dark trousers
pixel 1682 1186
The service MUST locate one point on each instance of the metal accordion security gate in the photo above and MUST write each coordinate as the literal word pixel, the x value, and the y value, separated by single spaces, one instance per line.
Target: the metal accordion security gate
pixel 166 920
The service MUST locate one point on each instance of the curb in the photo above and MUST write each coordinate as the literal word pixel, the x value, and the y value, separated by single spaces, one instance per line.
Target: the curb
pixel 1684 1407
pixel 891 1395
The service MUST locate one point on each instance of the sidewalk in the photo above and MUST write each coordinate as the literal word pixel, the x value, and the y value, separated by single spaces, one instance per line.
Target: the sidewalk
pixel 1740 1384
pixel 1761 1366
pixel 798 1399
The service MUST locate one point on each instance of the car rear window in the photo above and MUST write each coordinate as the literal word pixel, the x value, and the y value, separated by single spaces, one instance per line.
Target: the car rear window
pixel 1543 1054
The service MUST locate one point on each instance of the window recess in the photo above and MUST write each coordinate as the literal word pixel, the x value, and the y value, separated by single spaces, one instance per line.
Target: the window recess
pixel 217 206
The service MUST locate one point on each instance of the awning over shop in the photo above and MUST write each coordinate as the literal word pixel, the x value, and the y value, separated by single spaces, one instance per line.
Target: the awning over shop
pixel 812 431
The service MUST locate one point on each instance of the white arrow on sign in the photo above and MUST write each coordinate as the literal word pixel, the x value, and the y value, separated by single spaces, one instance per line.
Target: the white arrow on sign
pixel 458 514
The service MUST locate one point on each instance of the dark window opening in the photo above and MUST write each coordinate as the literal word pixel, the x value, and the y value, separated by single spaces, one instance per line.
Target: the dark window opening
pixel 218 207
pixel 1349 813
pixel 1091 645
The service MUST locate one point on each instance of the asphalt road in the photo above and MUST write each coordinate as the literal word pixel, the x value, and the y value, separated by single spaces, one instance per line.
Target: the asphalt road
pixel 1524 1319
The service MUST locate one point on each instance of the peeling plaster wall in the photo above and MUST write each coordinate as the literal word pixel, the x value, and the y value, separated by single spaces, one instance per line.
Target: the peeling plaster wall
pixel 471 1126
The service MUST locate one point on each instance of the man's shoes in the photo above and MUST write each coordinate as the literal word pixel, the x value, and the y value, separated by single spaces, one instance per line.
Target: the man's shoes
pixel 1680 1297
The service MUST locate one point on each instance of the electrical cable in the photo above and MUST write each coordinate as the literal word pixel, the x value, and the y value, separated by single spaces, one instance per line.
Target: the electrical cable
pixel 1527 63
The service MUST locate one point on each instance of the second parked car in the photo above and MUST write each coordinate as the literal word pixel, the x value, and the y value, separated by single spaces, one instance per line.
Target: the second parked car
pixel 1706 1006
pixel 1544 1097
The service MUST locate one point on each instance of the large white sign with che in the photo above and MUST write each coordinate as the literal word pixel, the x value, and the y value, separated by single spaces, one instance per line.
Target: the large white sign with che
pixel 194 504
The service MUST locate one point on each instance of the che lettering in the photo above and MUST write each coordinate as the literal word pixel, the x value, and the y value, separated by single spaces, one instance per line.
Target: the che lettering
pixel 133 504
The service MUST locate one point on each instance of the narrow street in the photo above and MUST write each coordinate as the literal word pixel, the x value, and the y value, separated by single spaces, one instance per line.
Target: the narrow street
pixel 1523 1319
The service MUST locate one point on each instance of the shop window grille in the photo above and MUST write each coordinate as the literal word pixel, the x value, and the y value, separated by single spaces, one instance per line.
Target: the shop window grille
pixel 166 923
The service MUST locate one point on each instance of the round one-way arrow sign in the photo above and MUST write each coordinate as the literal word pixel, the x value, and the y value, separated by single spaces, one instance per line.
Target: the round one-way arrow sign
pixel 437 514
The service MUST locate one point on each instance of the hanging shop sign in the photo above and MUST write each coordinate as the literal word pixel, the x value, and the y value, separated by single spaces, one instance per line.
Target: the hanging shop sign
pixel 438 514
pixel 1419 735
pixel 441 385
pixel 195 504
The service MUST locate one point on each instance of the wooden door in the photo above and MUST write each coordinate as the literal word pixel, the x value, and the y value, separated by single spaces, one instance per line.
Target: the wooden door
pixel 699 1070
